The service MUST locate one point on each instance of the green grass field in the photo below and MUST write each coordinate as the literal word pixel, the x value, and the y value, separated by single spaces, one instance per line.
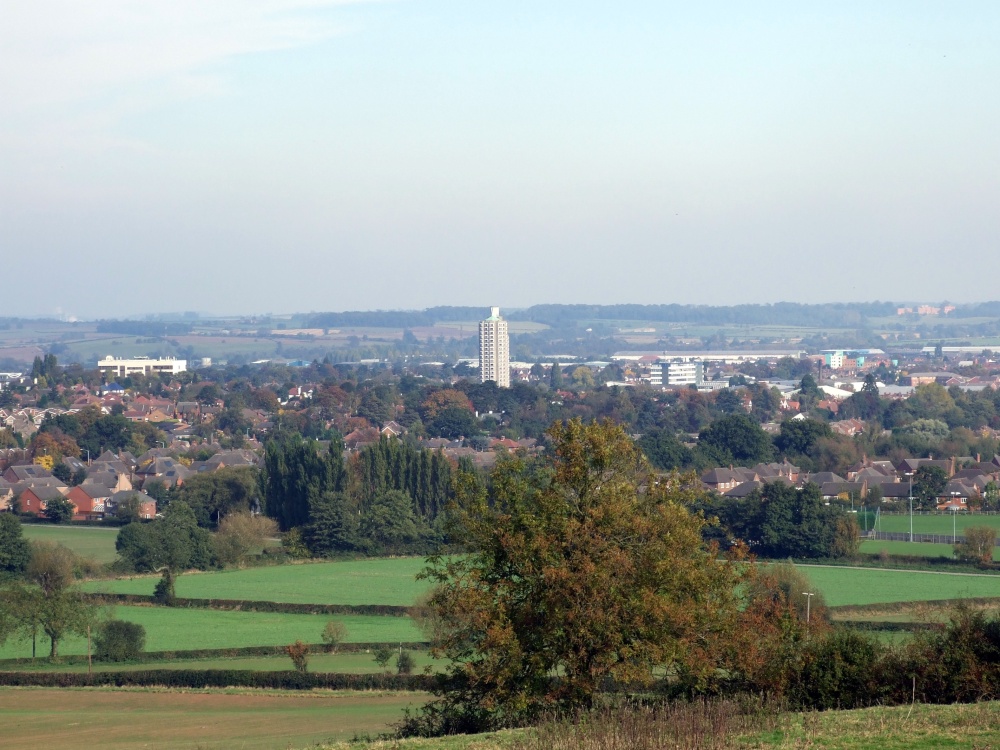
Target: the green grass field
pixel 209 720
pixel 375 581
pixel 936 524
pixel 873 585
pixel 170 629
pixel 91 542
pixel 916 549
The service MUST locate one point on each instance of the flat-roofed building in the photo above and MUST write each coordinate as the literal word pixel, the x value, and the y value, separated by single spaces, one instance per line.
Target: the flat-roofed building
pixel 121 368
pixel 494 350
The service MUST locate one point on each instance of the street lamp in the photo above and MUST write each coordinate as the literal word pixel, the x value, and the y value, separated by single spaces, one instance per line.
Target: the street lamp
pixel 808 597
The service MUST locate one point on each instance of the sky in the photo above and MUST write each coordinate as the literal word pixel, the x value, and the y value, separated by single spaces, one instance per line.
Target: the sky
pixel 251 156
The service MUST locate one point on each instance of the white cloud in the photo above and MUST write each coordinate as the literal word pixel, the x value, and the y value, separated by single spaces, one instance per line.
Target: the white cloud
pixel 57 52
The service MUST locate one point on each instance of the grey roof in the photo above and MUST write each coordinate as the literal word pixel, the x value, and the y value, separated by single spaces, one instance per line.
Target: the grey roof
pixel 824 477
pixel 743 490
pixel 832 489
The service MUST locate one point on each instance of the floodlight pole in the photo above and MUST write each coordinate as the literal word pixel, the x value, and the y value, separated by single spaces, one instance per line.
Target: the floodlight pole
pixel 911 505
pixel 808 597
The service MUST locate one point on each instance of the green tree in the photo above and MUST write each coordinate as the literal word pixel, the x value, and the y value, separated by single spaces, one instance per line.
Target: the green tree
pixel 555 376
pixel 119 640
pixel 15 551
pixel 798 436
pixel 55 607
pixel 174 541
pixel 664 450
pixel 389 521
pixel 586 567
pixel 333 527
pixel 333 635
pixel 978 544
pixel 296 474
pixel 59 510
pixel 736 438
pixel 928 485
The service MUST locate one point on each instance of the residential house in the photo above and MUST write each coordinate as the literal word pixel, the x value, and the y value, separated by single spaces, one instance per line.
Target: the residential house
pixel 35 499
pixel 89 501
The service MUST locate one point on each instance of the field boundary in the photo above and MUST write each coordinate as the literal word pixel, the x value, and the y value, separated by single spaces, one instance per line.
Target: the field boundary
pixel 232 653
pixel 221 678
pixel 860 609
pixel 251 605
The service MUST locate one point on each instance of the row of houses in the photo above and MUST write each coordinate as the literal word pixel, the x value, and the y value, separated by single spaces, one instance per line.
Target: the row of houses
pixel 965 488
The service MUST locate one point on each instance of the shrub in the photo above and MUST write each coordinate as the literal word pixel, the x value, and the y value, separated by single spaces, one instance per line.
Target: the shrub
pixel 333 635
pixel 118 640
pixel 164 591
pixel 841 670
pixel 405 663
pixel 299 654
pixel 382 655
pixel 978 544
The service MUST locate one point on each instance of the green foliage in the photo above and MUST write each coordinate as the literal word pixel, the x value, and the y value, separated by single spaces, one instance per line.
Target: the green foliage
pixel 332 528
pixel 165 592
pixel 665 451
pixel 799 436
pixel 736 439
pixel 978 544
pixel 928 485
pixel 389 521
pixel 394 465
pixel 174 541
pixel 571 569
pixel 333 635
pixel 220 678
pixel 780 521
pixel 405 663
pixel 296 475
pixel 382 654
pixel 213 495
pixel 118 640
pixel 15 550
pixel 59 510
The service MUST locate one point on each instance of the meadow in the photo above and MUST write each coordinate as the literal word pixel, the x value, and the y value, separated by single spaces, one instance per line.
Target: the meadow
pixel 92 542
pixel 373 581
pixel 176 629
pixel 160 719
pixel 841 586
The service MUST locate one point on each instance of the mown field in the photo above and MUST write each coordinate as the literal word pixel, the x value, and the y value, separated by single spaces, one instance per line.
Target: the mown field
pixel 170 629
pixel 874 585
pixel 936 524
pixel 912 549
pixel 92 542
pixel 374 581
pixel 163 720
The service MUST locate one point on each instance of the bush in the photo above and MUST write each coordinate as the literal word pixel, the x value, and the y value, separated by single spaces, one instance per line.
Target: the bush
pixel 164 591
pixel 842 670
pixel 333 635
pixel 299 654
pixel 382 655
pixel 405 663
pixel 978 545
pixel 118 640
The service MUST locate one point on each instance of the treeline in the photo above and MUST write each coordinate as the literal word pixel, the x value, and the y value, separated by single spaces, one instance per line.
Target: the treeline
pixel 395 318
pixel 389 499
pixel 144 327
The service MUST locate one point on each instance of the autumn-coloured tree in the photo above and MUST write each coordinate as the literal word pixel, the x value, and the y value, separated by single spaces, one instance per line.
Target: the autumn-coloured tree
pixel 978 544
pixel 446 398
pixel 587 567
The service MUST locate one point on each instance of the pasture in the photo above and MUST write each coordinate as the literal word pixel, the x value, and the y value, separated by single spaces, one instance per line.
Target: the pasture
pixel 162 720
pixel 841 585
pixel 374 581
pixel 175 629
pixel 92 542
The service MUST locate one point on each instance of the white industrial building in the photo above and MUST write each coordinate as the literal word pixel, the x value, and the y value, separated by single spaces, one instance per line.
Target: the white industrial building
pixel 120 368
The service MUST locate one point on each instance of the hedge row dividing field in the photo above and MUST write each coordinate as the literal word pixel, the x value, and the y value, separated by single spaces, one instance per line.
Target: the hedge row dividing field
pixel 170 629
pixel 374 581
pixel 380 610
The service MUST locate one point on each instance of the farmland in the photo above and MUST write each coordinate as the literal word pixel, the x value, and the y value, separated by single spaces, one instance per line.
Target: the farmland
pixel 374 581
pixel 94 543
pixel 874 585
pixel 121 719
pixel 169 629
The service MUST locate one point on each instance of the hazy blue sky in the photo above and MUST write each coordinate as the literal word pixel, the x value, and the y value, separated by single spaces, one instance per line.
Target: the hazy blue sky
pixel 280 155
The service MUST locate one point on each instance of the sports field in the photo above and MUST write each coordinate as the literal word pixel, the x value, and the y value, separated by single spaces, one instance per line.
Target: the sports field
pixel 158 719
pixel 169 629
pixel 873 585
pixel 914 549
pixel 937 523
pixel 375 581
pixel 92 542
